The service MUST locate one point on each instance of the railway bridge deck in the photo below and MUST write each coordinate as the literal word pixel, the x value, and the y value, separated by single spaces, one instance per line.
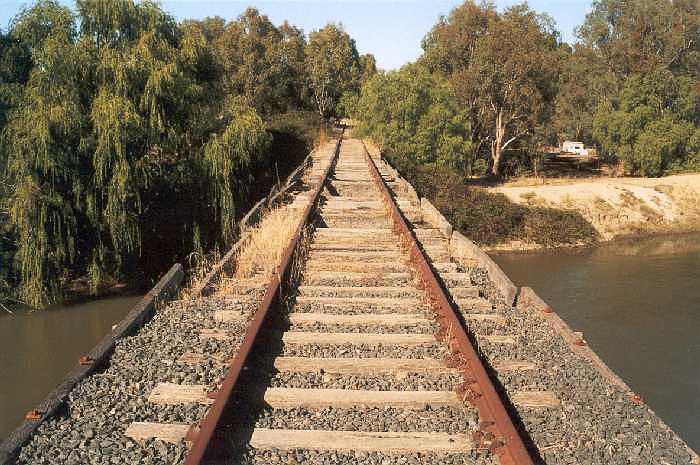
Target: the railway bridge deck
pixel 382 338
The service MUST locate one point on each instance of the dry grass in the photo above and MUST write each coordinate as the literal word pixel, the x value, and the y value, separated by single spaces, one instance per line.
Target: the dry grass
pixel 568 202
pixel 199 266
pixel 263 249
pixel 531 181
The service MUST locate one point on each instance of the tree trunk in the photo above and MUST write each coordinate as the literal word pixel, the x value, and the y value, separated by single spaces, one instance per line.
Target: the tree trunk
pixel 497 145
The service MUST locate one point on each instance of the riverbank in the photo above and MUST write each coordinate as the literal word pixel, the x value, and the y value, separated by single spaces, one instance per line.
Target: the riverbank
pixel 615 207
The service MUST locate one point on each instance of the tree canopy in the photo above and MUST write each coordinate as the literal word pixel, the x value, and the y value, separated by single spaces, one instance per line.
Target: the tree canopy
pixel 645 114
pixel 414 113
pixel 653 126
pixel 112 110
pixel 502 67
pixel 638 36
pixel 334 67
pixel 522 89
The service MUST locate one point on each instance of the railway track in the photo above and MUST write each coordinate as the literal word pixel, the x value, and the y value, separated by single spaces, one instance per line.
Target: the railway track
pixel 353 351
pixel 370 361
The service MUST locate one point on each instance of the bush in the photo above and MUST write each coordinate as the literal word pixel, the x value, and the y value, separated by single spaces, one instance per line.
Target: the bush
pixel 490 218
pixel 551 227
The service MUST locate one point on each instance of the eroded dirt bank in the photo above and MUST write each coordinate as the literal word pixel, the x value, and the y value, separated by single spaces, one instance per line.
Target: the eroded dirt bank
pixel 618 206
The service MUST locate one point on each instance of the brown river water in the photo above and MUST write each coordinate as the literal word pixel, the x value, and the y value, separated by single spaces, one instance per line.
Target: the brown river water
pixel 637 302
pixel 638 305
pixel 38 349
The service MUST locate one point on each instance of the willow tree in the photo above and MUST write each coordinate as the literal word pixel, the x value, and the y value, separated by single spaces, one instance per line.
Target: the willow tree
pixel 45 159
pixel 122 103
pixel 15 66
pixel 228 155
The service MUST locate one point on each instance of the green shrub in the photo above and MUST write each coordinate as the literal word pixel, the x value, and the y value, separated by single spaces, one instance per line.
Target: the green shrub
pixel 652 125
pixel 491 218
pixel 552 227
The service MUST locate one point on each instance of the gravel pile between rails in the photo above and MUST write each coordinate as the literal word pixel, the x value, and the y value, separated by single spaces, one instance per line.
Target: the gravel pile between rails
pixel 364 458
pixel 427 328
pixel 386 419
pixel 396 382
pixel 374 281
pixel 363 351
pixel 349 309
pixel 349 223
pixel 102 406
pixel 406 292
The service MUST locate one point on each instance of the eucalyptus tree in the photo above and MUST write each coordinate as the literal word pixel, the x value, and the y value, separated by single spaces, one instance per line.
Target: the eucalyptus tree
pixel 503 68
pixel 414 114
pixel 584 82
pixel 652 52
pixel 333 67
pixel 653 125
pixel 263 62
pixel 368 68
pixel 640 36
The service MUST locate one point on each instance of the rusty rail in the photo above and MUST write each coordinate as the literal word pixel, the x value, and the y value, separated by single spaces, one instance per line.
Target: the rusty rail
pixel 496 430
pixel 201 434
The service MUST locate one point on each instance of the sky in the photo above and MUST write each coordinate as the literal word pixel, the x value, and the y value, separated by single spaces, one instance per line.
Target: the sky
pixel 392 30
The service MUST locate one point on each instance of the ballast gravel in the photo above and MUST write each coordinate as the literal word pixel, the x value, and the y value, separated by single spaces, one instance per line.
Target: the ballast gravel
pixel 394 382
pixel 423 328
pixel 442 419
pixel 356 310
pixel 102 406
pixel 597 422
pixel 432 350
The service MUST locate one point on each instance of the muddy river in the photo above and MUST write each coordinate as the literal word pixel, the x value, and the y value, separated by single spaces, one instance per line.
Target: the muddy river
pixel 38 349
pixel 638 305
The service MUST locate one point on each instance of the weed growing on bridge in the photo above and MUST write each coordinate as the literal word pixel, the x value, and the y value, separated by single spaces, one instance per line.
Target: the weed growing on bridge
pixel 261 254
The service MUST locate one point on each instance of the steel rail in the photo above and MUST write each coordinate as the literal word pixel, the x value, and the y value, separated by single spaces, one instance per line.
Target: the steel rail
pixel 201 434
pixel 497 430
